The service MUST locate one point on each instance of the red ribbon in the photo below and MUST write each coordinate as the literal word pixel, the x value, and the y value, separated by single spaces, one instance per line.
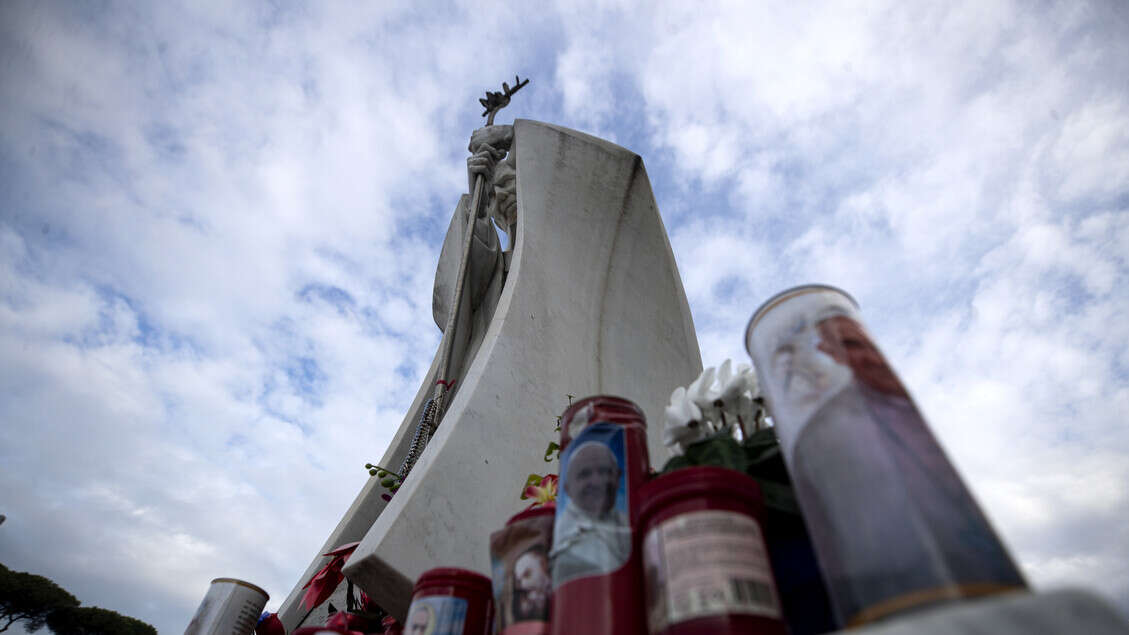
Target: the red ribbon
pixel 347 623
pixel 324 582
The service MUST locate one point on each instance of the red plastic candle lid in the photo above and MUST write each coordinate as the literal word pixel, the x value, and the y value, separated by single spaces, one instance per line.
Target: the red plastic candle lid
pixel 453 577
pixel 599 408
pixel 544 510
pixel 707 481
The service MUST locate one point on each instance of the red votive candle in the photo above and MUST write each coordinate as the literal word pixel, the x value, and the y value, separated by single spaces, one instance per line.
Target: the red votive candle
pixel 519 561
pixel 451 600
pixel 705 565
pixel 597 586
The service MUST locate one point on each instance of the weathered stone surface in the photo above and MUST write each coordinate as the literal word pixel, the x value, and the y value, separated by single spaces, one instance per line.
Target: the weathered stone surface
pixel 593 303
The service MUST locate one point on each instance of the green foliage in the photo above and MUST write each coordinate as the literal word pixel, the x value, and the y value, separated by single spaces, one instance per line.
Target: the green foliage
pixel 676 462
pixel 29 598
pixel 389 480
pixel 532 479
pixel 723 450
pixel 758 456
pixel 553 452
pixel 95 621
pixel 35 600
pixel 763 457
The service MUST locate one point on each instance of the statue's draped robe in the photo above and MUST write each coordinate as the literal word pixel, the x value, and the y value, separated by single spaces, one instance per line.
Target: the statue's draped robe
pixel 484 279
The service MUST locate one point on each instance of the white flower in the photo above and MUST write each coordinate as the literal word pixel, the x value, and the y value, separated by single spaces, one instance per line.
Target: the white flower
pixel 683 422
pixel 739 383
pixel 715 402
pixel 744 411
pixel 703 394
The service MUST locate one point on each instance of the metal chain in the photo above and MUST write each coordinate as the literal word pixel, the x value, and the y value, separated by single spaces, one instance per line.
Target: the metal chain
pixel 424 429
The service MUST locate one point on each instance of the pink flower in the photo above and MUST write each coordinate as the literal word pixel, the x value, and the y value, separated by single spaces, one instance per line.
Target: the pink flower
pixel 542 489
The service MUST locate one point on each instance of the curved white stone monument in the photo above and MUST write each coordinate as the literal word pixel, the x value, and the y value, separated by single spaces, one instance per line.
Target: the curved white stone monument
pixel 592 303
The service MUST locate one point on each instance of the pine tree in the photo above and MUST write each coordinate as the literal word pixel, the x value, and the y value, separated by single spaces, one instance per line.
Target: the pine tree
pixel 91 620
pixel 29 598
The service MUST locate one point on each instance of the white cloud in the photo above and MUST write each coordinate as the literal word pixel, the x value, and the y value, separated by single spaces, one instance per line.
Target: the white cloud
pixel 950 167
pixel 218 224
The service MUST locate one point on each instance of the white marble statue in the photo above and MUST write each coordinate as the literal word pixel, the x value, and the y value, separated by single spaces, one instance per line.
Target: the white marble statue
pixel 585 299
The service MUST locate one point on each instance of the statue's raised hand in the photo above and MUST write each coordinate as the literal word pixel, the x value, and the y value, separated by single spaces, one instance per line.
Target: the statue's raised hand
pixel 499 138
pixel 488 145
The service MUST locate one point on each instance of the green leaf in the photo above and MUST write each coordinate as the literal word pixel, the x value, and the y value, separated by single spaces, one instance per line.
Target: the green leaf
pixel 779 496
pixel 764 460
pixel 554 447
pixel 763 438
pixel 532 479
pixel 721 450
pixel 676 463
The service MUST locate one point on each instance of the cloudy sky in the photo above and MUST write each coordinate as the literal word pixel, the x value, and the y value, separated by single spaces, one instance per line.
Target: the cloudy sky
pixel 219 226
